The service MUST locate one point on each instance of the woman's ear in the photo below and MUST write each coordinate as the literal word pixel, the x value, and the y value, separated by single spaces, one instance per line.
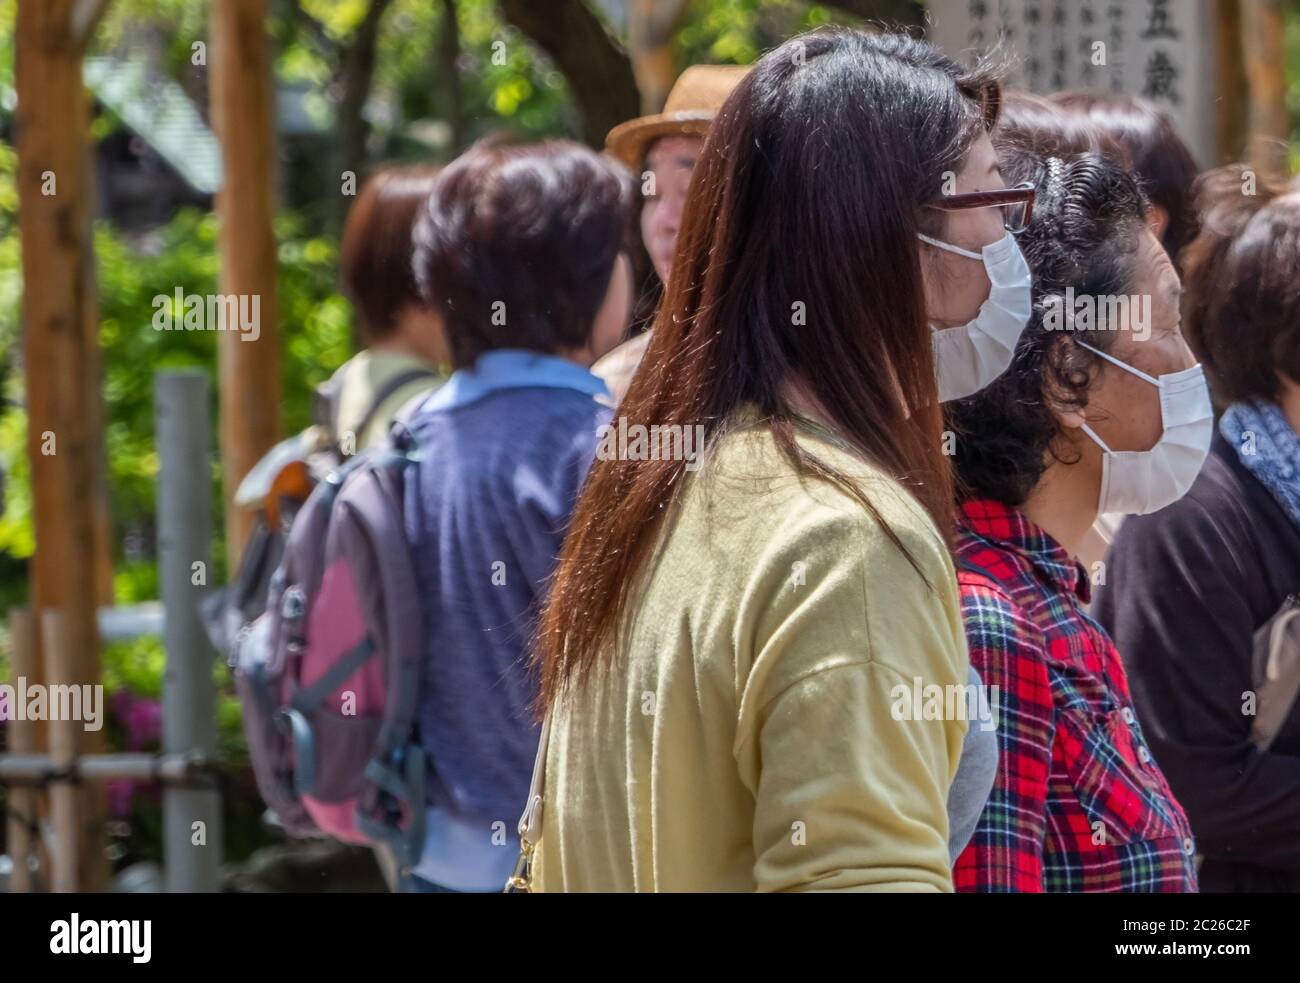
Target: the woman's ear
pixel 1072 418
pixel 1064 405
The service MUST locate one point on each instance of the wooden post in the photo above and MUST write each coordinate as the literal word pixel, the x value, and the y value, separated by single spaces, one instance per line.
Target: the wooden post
pixel 60 324
pixel 1263 36
pixel 25 737
pixel 1232 107
pixel 65 802
pixel 241 89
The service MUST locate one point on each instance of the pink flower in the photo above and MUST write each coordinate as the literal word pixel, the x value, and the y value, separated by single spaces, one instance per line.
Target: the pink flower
pixel 141 717
pixel 119 792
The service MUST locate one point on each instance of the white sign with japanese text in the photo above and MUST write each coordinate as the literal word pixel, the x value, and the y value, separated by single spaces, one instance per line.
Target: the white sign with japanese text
pixel 1160 50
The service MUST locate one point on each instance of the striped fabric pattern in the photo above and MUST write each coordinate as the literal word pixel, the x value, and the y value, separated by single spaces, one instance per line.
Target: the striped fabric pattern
pixel 1079 804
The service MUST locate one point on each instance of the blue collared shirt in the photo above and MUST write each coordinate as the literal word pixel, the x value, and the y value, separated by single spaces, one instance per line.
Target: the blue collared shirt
pixel 504 448
pixel 513 368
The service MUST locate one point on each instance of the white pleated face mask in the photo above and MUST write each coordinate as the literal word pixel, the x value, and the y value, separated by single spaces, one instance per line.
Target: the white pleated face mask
pixel 1140 482
pixel 967 358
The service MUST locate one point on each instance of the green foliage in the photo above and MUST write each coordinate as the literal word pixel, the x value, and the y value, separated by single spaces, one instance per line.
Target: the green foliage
pixel 738 31
pixel 135 281
pixel 510 85
pixel 525 93
pixel 135 666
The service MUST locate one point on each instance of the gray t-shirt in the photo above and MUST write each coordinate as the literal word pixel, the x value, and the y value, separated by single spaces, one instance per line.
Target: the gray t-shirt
pixel 971 785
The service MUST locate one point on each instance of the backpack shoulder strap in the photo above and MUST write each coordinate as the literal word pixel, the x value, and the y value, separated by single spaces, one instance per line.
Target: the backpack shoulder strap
pixel 393 385
pixel 1276 671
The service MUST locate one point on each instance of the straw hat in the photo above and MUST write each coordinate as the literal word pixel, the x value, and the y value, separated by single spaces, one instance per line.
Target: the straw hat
pixel 696 96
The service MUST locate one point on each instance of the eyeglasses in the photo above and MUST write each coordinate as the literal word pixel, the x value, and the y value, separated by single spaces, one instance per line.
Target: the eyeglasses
pixel 1017 204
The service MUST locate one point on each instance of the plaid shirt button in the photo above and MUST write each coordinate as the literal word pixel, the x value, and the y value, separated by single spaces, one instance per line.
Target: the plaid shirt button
pixel 1144 754
pixel 1127 714
pixel 1188 846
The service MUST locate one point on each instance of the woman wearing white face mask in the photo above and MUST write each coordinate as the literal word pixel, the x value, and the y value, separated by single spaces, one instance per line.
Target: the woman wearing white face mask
pixel 977 283
pixel 978 301
pixel 1090 416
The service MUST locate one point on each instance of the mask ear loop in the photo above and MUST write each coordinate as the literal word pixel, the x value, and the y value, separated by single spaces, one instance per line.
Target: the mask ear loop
pixel 1127 368
pixel 1123 365
pixel 950 248
pixel 1097 440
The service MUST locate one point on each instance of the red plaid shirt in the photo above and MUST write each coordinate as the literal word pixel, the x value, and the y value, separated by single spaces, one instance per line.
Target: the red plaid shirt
pixel 1079 804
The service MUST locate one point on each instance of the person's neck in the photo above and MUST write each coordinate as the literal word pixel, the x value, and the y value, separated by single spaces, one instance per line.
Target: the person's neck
pixel 803 401
pixel 417 335
pixel 583 356
pixel 1063 506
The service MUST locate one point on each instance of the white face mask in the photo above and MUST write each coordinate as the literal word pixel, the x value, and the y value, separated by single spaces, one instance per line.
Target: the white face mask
pixel 1139 482
pixel 969 357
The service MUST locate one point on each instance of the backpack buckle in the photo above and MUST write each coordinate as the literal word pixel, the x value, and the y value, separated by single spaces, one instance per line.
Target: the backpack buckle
pixel 293 605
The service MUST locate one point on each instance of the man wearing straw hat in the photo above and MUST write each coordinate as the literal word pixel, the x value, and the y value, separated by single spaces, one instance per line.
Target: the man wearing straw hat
pixel 663 148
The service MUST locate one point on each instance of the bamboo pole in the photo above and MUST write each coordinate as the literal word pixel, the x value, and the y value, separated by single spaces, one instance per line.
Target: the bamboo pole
pixel 60 323
pixel 23 803
pixel 65 798
pixel 185 768
pixel 240 84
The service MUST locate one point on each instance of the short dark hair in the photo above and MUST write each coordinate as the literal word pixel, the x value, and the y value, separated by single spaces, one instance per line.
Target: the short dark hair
pixel 1084 234
pixel 517 243
pixel 1242 281
pixel 1156 152
pixel 375 252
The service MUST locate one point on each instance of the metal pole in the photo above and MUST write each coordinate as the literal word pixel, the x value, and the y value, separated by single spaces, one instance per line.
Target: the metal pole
pixel 191 816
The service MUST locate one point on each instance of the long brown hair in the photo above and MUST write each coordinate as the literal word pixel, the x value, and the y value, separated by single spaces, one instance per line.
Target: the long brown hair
pixel 807 192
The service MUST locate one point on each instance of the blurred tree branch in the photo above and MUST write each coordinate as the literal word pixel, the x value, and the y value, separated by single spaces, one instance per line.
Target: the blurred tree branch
pixel 599 71
pixel 448 49
pixel 306 22
pixel 85 17
pixel 906 13
pixel 354 74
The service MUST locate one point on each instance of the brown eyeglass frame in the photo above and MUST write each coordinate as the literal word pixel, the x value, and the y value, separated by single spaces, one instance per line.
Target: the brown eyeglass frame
pixel 987 199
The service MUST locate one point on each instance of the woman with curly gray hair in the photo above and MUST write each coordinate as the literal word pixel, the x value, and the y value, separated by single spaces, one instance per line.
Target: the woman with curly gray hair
pixel 1103 409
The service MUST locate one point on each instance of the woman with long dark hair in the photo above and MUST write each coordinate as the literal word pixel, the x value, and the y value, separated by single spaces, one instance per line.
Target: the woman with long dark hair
pixel 756 579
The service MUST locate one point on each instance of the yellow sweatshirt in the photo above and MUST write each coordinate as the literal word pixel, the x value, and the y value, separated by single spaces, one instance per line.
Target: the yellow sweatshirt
pixel 745 736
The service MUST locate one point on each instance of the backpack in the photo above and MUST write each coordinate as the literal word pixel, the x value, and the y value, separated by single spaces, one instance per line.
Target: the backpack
pixel 327 675
pixel 277 487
